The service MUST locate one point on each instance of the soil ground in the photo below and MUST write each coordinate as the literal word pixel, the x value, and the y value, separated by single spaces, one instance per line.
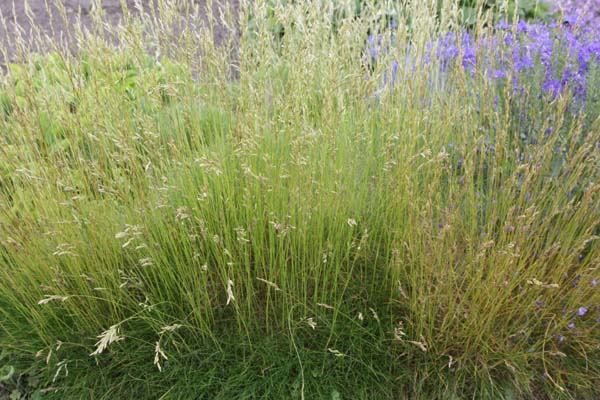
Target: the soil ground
pixel 17 20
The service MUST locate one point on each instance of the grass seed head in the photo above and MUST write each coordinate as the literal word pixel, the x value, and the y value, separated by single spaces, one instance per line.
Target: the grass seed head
pixel 109 336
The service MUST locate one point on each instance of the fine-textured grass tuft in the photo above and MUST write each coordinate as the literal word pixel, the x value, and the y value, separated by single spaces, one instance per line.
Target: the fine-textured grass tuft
pixel 265 219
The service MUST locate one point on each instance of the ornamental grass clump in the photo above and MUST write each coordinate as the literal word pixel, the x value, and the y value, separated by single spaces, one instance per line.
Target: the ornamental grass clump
pixel 259 219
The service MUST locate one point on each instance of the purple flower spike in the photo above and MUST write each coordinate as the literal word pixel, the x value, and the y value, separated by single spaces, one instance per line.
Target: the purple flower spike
pixel 594 282
pixel 571 325
pixel 582 311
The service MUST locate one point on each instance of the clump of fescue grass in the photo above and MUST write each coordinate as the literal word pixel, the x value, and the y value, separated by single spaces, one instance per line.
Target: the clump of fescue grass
pixel 253 221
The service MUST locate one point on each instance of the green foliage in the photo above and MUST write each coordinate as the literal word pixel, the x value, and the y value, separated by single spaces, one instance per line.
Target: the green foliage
pixel 521 9
pixel 381 16
pixel 17 386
